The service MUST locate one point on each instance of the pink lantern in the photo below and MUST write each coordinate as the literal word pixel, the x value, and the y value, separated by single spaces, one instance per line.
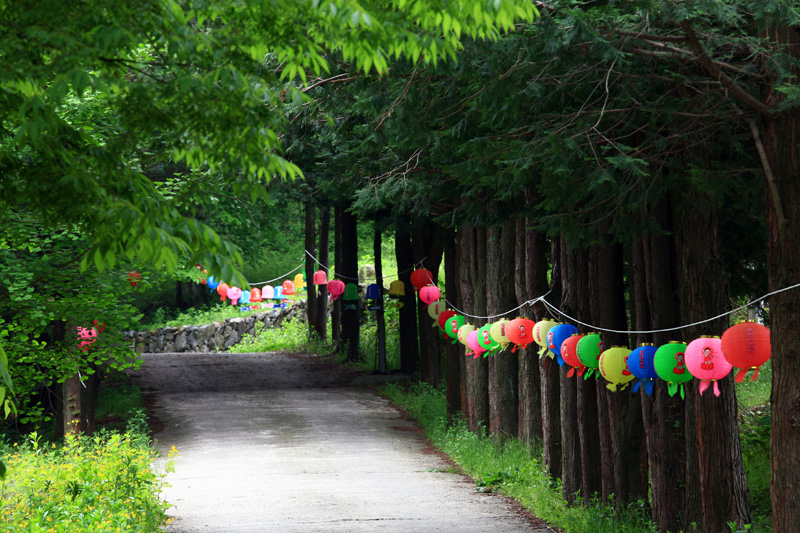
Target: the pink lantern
pixel 704 360
pixel 472 344
pixel 429 294
pixel 87 336
pixel 234 293
pixel 320 278
pixel 267 292
pixel 335 288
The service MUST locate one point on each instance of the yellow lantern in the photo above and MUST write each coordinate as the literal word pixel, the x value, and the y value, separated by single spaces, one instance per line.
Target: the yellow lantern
pixel 540 335
pixel 614 367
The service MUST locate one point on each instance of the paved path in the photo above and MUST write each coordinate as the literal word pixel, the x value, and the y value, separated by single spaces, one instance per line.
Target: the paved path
pixel 273 442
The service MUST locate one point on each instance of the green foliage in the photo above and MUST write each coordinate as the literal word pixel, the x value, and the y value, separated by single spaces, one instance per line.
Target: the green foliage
pixel 118 402
pixel 104 483
pixel 292 335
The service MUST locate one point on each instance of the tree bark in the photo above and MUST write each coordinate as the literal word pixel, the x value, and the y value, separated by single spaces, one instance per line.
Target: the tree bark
pixel 321 319
pixel 351 315
pixel 503 367
pixel 377 242
pixel 336 308
pixel 477 370
pixel 428 244
pixel 549 376
pixel 409 350
pixel 310 239
pixel 453 360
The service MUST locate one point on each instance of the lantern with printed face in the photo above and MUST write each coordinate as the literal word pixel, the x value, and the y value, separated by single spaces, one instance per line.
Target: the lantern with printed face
pixel 320 278
pixel 234 293
pixel 485 339
pixel 463 334
pixel 452 325
pixel 335 288
pixel 499 332
pixel 520 332
pixel 222 290
pixel 640 363
pixel 670 365
pixel 705 361
pixel 614 367
pixel 429 294
pixel 436 308
pixel 421 277
pixel 474 345
pixel 556 336
pixel 255 295
pixel 569 353
pixel 87 337
pixel 540 334
pixel 590 347
pixel 746 346
pixel 288 287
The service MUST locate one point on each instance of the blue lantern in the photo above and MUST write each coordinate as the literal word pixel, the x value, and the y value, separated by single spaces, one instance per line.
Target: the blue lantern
pixel 640 363
pixel 556 336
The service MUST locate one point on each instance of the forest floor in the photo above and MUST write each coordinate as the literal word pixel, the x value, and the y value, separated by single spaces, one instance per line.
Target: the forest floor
pixel 294 443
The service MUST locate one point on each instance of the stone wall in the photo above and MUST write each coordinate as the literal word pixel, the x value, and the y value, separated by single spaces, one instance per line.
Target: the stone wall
pixel 214 337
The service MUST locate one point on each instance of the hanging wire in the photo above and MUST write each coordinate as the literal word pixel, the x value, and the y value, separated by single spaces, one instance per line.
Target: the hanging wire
pixel 292 271
pixel 328 269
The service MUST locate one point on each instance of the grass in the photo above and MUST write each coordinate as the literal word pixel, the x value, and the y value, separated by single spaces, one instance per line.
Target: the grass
pixel 104 483
pixel 292 335
pixel 515 469
pixel 117 401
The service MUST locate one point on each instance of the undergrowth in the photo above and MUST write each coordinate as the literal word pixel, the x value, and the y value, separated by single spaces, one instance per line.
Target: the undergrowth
pixel 516 470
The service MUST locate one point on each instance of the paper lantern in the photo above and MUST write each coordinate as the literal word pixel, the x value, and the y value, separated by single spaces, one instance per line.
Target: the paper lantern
pixel 267 292
pixel 374 292
pixel 222 290
pixel 245 298
pixel 255 294
pixel 134 277
pixel 589 348
pixel 350 292
pixel 397 288
pixel 569 353
pixel 320 278
pixel 520 332
pixel 499 332
pixel 745 346
pixel 485 338
pixel 234 293
pixel 299 282
pixel 288 287
pixel 277 293
pixel 453 324
pixel 87 337
pixel 463 333
pixel 670 365
pixel 556 336
pixel 212 283
pixel 540 334
pixel 335 288
pixel 429 294
pixel 442 319
pixel 704 361
pixel 614 367
pixel 474 345
pixel 421 277
pixel 436 308
pixel 640 363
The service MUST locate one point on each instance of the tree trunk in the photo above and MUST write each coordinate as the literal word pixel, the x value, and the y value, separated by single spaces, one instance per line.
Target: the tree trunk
pixel 310 235
pixel 409 350
pixel 453 360
pixel 428 244
pixel 321 319
pixel 336 309
pixel 549 376
pixel 473 297
pixel 503 367
pixel 351 314
pixel 380 322
pixel 712 429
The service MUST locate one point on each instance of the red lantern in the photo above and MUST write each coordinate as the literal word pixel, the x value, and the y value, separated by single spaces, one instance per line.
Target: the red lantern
pixel 222 290
pixel 443 317
pixel 421 277
pixel 745 346
pixel 288 287
pixel 255 294
pixel 134 277
pixel 429 294
pixel 335 288
pixel 520 332
pixel 320 278
pixel 569 353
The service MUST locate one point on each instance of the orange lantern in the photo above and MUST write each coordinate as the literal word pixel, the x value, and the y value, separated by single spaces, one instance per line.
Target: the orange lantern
pixel 222 290
pixel 520 332
pixel 746 346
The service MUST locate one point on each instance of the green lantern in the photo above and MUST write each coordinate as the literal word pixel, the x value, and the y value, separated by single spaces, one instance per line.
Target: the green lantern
pixel 452 324
pixel 590 347
pixel 670 365
pixel 350 292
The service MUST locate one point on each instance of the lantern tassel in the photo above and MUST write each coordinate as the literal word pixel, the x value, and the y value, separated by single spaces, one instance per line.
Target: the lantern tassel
pixel 672 388
pixel 740 375
pixel 560 360
pixel 636 386
pixel 755 374
pixel 648 386
pixel 514 349
pixel 612 387
pixel 703 386
pixel 716 389
pixel 571 372
pixel 581 370
pixel 683 394
pixel 589 373
pixel 541 351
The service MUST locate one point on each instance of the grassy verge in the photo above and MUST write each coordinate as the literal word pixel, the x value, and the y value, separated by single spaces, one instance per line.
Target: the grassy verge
pixel 516 470
pixel 94 484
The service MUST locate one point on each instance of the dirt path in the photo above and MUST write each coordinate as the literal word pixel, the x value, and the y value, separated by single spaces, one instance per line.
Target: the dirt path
pixel 272 442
